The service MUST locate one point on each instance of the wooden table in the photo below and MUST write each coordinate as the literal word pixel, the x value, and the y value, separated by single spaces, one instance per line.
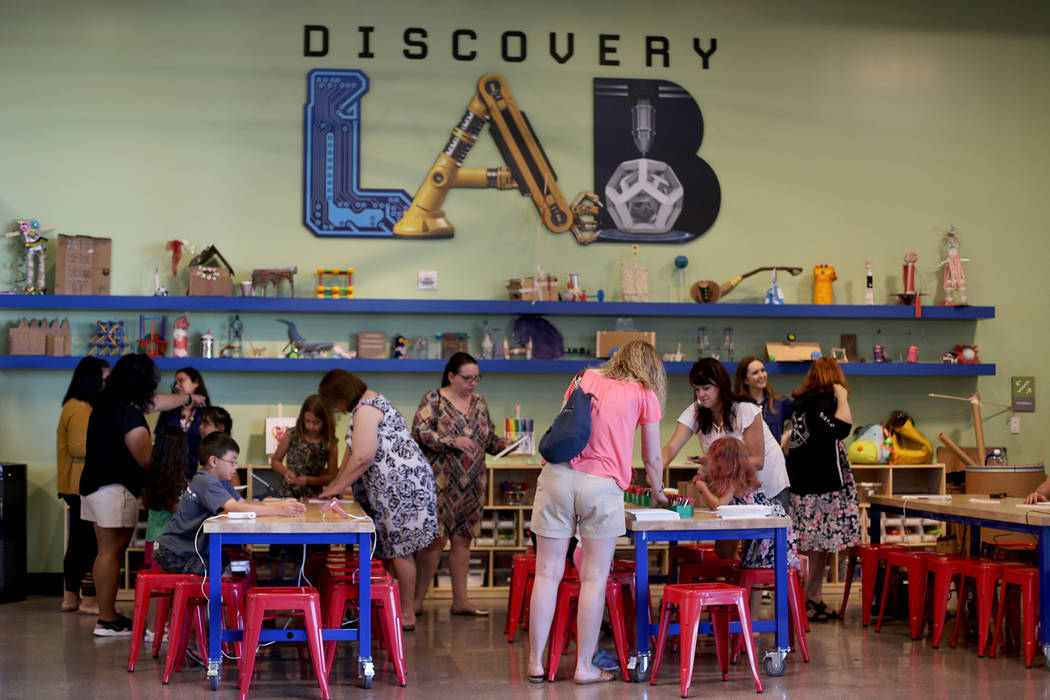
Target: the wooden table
pixel 1003 514
pixel 705 525
pixel 313 527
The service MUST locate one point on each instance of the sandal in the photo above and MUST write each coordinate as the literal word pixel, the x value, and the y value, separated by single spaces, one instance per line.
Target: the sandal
pixel 818 612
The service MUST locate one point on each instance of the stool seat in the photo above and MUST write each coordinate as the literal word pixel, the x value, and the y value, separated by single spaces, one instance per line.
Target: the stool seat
pixel 262 600
pixel 1027 578
pixel 690 598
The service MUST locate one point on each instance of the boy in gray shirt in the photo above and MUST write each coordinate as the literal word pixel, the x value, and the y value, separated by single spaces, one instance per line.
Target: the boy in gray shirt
pixel 182 546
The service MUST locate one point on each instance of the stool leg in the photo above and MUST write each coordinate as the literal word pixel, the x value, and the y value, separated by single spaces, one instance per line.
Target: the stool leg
pixel 138 623
pixel 688 622
pixel 252 627
pixel 720 623
pixel 163 604
pixel 851 566
pixel 176 631
pixel 517 601
pixel 614 602
pixel 916 589
pixel 885 591
pixel 798 612
pixel 661 640
pixel 998 621
pixel 1029 612
pixel 559 631
pixel 960 616
pixel 312 620
pixel 942 584
pixel 745 623
pixel 334 619
pixel 869 573
pixel 985 597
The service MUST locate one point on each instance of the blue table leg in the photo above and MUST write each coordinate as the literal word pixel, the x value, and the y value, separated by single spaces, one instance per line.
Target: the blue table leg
pixel 1044 591
pixel 638 664
pixel 975 540
pixel 364 623
pixel 781 593
pixel 214 610
pixel 875 528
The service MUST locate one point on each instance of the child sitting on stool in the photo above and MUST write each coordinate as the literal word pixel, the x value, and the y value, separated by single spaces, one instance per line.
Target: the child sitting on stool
pixel 180 549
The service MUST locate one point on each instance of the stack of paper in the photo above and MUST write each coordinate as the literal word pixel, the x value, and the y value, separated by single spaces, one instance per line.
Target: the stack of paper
pixel 746 511
pixel 651 514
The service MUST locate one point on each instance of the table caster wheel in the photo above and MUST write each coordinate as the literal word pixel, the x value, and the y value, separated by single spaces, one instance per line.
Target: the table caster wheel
pixel 213 681
pixel 774 664
pixel 639 669
pixel 1046 655
pixel 367 685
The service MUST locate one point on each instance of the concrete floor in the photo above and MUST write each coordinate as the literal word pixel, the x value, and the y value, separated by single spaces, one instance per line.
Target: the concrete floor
pixel 46 654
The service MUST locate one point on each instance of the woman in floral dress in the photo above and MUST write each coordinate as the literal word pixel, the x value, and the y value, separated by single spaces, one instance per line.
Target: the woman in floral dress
pixel 453 427
pixel 391 478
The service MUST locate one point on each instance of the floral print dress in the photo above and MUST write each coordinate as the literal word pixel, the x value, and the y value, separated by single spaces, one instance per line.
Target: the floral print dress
pixel 397 490
pixel 758 554
pixel 304 458
pixel 460 478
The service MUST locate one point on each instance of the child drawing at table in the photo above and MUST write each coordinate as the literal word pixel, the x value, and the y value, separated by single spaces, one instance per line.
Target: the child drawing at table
pixel 165 480
pixel 182 546
pixel 729 478
pixel 307 456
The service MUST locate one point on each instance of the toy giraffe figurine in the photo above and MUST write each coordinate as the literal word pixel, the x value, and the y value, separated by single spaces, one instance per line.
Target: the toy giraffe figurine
pixel 36 252
pixel 823 276
pixel 954 277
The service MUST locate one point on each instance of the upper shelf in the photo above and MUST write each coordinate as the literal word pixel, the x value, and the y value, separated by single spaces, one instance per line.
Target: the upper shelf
pixel 488 306
pixel 236 364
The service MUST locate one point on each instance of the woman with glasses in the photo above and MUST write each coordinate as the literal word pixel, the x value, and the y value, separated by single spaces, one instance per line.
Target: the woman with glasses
pixel 453 427
pixel 716 414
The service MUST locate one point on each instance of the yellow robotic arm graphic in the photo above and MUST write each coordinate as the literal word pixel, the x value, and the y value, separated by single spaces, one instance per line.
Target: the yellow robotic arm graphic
pixel 527 170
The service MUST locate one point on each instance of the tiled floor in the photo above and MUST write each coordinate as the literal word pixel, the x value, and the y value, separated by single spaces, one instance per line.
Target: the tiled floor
pixel 45 654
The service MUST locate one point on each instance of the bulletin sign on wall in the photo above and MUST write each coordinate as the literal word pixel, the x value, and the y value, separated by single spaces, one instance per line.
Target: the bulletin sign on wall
pixel 650 185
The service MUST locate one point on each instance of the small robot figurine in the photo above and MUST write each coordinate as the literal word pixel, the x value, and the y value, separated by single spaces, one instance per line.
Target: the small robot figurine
pixel 36 252
pixel 954 277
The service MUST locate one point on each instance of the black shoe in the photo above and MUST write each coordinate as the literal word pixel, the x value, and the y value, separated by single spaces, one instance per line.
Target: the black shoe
pixel 121 627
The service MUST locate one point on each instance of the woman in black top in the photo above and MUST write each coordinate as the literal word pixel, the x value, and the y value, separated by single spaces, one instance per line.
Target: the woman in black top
pixel 824 504
pixel 117 454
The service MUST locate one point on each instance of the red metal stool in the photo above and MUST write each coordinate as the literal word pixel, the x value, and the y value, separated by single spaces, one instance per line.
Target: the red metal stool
pixel 944 569
pixel 522 575
pixel 985 574
pixel 753 578
pixel 690 599
pixel 150 584
pixel 192 593
pixel 914 563
pixel 870 557
pixel 385 594
pixel 1027 578
pixel 564 613
pixel 262 600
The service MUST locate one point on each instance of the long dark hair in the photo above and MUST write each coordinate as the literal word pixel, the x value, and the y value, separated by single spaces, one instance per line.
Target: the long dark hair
pixel 197 379
pixel 454 364
pixel 165 478
pixel 133 382
pixel 710 371
pixel 741 392
pixel 87 380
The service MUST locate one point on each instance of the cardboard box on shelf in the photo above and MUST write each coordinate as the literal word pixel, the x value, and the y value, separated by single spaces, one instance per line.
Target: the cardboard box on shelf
pixel 607 340
pixel 533 288
pixel 38 337
pixel 208 278
pixel 371 345
pixel 82 265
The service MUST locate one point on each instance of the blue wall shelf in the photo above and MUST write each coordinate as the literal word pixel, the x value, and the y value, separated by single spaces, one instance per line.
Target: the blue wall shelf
pixel 232 364
pixel 466 306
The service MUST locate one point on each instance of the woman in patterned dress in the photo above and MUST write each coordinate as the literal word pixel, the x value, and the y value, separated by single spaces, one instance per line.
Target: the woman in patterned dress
pixel 453 427
pixel 824 504
pixel 391 478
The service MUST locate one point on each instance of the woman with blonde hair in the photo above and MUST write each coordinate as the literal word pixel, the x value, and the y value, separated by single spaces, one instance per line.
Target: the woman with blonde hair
pixel 824 504
pixel 586 494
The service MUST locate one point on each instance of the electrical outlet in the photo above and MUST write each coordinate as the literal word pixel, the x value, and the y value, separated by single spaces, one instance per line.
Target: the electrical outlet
pixel 1015 425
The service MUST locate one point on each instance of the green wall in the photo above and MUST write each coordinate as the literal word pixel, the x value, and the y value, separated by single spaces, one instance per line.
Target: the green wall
pixel 839 131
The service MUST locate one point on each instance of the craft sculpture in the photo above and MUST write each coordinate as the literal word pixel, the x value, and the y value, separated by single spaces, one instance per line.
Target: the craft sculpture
pixel 954 277
pixel 823 276
pixel 709 291
pixel 36 253
pixel 274 275
pixel 302 346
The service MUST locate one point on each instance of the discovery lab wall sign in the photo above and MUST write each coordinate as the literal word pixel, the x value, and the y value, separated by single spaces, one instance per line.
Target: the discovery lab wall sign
pixel 417 43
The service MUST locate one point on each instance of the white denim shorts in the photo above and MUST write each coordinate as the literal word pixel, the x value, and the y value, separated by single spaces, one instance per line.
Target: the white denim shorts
pixel 110 506
pixel 567 500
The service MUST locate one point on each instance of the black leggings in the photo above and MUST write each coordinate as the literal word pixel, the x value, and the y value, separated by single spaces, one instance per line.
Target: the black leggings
pixel 81 549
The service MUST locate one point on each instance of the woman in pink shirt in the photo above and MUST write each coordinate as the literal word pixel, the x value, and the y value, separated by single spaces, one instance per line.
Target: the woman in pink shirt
pixel 586 495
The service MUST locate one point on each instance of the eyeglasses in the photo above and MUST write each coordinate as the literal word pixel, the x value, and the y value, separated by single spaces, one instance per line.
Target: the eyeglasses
pixel 472 378
pixel 228 461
